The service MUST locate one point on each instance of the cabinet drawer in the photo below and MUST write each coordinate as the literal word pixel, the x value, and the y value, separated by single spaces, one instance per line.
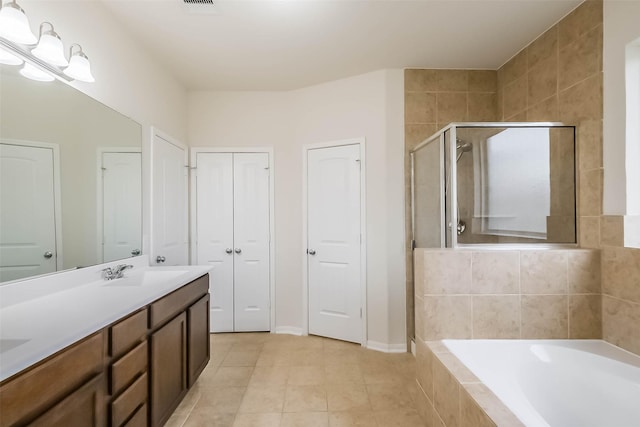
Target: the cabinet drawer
pixel 128 401
pixel 35 390
pixel 167 307
pixel 128 367
pixel 139 419
pixel 127 333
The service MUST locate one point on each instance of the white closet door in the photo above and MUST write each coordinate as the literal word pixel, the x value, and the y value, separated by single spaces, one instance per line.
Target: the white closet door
pixel 334 242
pixel 251 241
pixel 170 236
pixel 27 215
pixel 121 205
pixel 214 232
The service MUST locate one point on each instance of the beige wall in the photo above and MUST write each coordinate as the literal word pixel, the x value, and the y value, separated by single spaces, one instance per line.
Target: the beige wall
pixel 525 294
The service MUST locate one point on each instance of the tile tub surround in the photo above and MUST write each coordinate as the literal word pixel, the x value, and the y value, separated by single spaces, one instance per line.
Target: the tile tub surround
pixel 621 297
pixel 449 394
pixel 529 294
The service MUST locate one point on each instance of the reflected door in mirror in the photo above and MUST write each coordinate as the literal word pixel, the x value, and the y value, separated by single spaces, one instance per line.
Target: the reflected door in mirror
pixel 27 211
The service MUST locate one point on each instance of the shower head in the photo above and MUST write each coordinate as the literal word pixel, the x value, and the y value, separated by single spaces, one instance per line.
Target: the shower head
pixel 463 147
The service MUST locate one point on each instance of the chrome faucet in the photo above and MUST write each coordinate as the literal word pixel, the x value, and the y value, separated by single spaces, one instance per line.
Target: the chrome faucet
pixel 116 272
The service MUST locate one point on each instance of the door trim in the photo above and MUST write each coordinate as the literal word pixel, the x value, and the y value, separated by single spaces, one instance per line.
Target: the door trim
pixel 363 230
pixel 193 220
pixel 57 199
pixel 99 196
pixel 155 132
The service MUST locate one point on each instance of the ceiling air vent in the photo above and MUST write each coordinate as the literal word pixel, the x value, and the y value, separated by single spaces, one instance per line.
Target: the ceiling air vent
pixel 199 6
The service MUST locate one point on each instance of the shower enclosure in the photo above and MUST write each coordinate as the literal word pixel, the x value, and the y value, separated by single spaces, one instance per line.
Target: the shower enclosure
pixel 494 183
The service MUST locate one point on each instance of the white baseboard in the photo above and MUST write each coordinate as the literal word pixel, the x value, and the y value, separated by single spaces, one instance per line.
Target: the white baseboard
pixel 387 348
pixel 290 330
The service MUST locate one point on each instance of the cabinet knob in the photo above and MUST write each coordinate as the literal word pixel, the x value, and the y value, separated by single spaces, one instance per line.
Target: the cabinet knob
pixel 160 259
pixel 135 252
pixel 48 254
pixel 238 250
pixel 311 252
pixel 229 251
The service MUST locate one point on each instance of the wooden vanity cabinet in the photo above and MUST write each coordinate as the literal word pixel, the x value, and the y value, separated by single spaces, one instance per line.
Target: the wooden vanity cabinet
pixel 133 373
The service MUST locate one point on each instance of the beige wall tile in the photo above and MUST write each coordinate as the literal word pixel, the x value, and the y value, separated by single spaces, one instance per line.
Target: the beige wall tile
pixel 493 406
pixel 416 133
pixel 483 81
pixel 452 80
pixel 589 231
pixel 447 272
pixel 590 193
pixel 461 373
pixel 515 97
pixel 584 272
pixel 419 108
pixel 482 107
pixel 515 68
pixel 419 323
pixel 542 80
pixel 544 317
pixel 582 19
pixel 543 47
pixel 585 316
pixel 496 317
pixel 518 117
pixel 420 80
pixel 621 323
pixel 424 368
pixel 495 272
pixel 471 415
pixel 447 317
pixel 582 101
pixel 590 144
pixel 621 273
pixel 544 111
pixel 418 271
pixel 612 230
pixel 452 107
pixel 580 59
pixel 425 407
pixel 543 272
pixel 446 398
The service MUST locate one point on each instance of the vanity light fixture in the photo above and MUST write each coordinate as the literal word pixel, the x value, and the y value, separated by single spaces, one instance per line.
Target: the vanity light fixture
pixel 34 73
pixel 14 24
pixel 9 58
pixel 50 48
pixel 79 66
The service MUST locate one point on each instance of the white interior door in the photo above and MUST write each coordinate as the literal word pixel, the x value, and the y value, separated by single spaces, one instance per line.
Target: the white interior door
pixel 214 232
pixel 333 221
pixel 27 212
pixel 251 241
pixel 169 240
pixel 121 205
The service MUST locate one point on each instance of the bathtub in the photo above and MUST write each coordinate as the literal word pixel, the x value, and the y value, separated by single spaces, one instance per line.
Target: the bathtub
pixel 558 383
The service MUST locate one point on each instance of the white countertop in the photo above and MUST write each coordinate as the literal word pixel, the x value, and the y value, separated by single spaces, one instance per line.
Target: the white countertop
pixel 42 316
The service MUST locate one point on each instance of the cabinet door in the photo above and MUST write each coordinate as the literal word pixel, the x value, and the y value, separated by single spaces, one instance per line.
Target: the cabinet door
pixel 251 241
pixel 168 368
pixel 83 407
pixel 198 334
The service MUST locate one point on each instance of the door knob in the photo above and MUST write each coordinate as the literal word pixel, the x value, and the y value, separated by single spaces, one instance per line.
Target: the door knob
pixel 160 259
pixel 229 251
pixel 135 252
pixel 48 254
pixel 311 252
pixel 238 250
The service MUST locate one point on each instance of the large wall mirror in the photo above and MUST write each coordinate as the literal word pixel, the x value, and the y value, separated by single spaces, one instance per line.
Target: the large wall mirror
pixel 70 179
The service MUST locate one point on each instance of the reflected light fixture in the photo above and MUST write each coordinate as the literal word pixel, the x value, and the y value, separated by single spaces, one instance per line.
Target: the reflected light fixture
pixel 14 24
pixel 50 48
pixel 79 67
pixel 34 73
pixel 9 58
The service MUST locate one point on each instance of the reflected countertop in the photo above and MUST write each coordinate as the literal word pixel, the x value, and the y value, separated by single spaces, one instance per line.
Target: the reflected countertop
pixel 39 317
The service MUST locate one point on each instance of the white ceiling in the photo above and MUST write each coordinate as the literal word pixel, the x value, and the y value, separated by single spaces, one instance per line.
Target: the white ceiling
pixel 288 44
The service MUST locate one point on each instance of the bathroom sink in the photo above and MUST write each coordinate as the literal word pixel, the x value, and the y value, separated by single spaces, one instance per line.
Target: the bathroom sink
pixel 146 278
pixel 7 344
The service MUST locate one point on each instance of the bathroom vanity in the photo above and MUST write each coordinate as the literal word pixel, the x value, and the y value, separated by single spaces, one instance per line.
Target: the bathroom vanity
pixel 122 352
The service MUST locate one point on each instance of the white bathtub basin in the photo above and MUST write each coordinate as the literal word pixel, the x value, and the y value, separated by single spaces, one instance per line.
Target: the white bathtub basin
pixel 558 383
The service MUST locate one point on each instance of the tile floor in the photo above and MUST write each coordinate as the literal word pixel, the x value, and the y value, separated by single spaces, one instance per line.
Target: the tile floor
pixel 264 380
